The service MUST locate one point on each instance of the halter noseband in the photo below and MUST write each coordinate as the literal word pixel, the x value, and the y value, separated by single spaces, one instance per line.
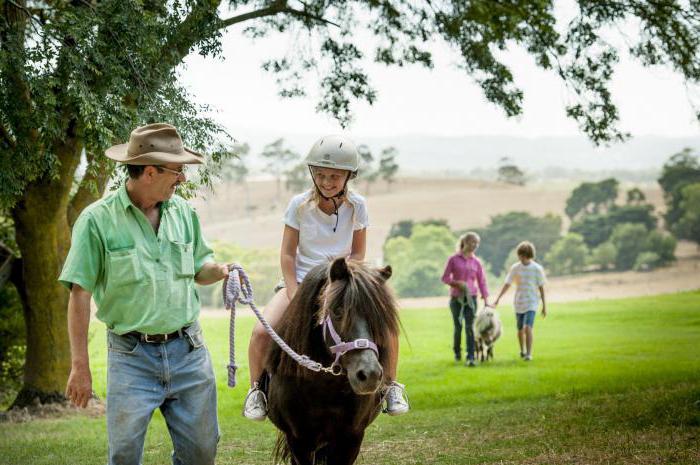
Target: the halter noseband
pixel 340 347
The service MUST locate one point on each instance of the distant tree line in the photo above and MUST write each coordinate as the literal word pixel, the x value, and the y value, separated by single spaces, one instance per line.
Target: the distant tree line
pixel 604 234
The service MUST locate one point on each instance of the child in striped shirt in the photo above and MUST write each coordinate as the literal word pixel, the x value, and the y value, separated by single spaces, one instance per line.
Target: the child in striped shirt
pixel 528 277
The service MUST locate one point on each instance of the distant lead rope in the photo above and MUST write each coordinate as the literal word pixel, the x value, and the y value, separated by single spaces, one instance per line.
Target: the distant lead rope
pixel 237 288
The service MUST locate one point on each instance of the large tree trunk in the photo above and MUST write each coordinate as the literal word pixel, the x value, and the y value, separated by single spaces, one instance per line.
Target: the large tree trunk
pixel 43 237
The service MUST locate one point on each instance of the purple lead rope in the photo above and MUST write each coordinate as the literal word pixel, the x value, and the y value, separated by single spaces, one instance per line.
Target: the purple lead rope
pixel 237 288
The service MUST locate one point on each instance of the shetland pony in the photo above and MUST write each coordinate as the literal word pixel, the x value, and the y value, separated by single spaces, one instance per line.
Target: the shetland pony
pixel 322 417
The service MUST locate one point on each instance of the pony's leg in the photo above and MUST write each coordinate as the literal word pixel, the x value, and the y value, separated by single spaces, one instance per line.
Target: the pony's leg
pixel 345 451
pixel 301 453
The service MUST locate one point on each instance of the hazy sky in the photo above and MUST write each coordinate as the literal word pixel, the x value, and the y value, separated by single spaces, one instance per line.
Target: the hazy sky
pixel 442 101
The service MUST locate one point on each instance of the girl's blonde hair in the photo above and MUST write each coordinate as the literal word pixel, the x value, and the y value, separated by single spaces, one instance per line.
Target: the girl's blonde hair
pixel 462 243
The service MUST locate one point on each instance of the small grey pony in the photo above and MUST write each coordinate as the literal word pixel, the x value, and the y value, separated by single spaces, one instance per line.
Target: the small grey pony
pixel 487 330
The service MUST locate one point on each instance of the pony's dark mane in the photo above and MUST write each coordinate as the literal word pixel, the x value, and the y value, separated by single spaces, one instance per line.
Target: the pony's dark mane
pixel 362 294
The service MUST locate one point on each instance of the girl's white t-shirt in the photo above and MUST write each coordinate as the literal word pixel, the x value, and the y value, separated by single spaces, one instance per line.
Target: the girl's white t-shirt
pixel 317 242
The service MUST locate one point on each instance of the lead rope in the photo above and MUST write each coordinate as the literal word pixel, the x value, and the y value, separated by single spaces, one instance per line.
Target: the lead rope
pixel 237 288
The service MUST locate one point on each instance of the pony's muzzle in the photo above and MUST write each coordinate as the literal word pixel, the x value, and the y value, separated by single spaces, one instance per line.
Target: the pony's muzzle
pixel 364 372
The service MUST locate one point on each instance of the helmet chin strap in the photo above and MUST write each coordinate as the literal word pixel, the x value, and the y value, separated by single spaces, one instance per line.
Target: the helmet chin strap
pixel 332 199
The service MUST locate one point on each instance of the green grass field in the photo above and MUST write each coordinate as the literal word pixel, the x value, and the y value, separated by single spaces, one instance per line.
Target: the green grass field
pixel 612 382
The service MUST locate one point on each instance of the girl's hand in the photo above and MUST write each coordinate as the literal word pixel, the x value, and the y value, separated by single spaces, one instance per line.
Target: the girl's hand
pixel 544 311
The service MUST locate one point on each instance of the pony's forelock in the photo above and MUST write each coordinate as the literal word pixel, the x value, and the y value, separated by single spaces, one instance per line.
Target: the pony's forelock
pixel 365 292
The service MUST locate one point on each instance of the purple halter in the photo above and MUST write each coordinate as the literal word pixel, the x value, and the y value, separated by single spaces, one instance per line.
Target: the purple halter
pixel 340 347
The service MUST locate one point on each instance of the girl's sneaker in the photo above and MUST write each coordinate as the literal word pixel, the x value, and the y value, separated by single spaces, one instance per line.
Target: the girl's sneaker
pixel 396 399
pixel 522 354
pixel 255 404
pixel 527 357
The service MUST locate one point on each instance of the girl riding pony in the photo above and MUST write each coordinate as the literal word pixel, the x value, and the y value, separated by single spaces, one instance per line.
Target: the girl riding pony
pixel 324 222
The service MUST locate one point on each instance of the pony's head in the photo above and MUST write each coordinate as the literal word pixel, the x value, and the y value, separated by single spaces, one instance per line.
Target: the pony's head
pixel 360 306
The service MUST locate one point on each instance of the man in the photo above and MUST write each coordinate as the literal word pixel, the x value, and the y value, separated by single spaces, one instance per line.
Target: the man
pixel 138 252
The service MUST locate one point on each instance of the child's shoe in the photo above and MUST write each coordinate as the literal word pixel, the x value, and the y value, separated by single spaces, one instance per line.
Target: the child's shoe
pixel 396 399
pixel 255 404
pixel 527 357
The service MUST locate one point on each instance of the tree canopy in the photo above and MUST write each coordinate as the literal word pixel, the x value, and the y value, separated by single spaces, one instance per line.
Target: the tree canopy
pixel 86 72
pixel 597 228
pixel 418 260
pixel 567 255
pixel 509 173
pixel 505 231
pixel 591 197
pixel 680 171
pixel 688 225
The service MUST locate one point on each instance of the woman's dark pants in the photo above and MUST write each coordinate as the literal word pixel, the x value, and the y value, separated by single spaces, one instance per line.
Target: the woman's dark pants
pixel 463 313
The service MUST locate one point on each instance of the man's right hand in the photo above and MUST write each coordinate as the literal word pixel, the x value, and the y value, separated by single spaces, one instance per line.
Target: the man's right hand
pixel 79 388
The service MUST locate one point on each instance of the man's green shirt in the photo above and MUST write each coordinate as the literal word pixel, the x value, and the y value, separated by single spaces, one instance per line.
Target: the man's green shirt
pixel 140 280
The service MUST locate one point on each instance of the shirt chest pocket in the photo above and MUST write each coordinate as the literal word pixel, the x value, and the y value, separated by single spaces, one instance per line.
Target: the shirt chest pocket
pixel 124 268
pixel 182 259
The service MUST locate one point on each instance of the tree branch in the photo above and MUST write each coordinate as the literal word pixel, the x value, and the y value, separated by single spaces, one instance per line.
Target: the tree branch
pixel 279 7
pixel 21 7
pixel 178 46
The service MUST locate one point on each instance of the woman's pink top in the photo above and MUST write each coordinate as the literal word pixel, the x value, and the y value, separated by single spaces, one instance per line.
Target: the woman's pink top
pixel 469 269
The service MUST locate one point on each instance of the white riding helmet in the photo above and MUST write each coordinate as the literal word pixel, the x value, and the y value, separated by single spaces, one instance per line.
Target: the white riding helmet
pixel 337 152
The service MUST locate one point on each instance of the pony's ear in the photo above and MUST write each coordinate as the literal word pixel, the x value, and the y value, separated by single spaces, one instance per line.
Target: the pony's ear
pixel 339 270
pixel 385 272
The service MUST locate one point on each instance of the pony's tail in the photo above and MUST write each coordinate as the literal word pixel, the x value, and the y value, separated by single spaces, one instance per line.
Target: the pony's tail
pixel 281 452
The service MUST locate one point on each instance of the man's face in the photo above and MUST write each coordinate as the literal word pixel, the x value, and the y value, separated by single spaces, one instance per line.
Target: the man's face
pixel 165 179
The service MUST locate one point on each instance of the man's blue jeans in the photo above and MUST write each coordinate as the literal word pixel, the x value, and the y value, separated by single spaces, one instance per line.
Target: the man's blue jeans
pixel 175 376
